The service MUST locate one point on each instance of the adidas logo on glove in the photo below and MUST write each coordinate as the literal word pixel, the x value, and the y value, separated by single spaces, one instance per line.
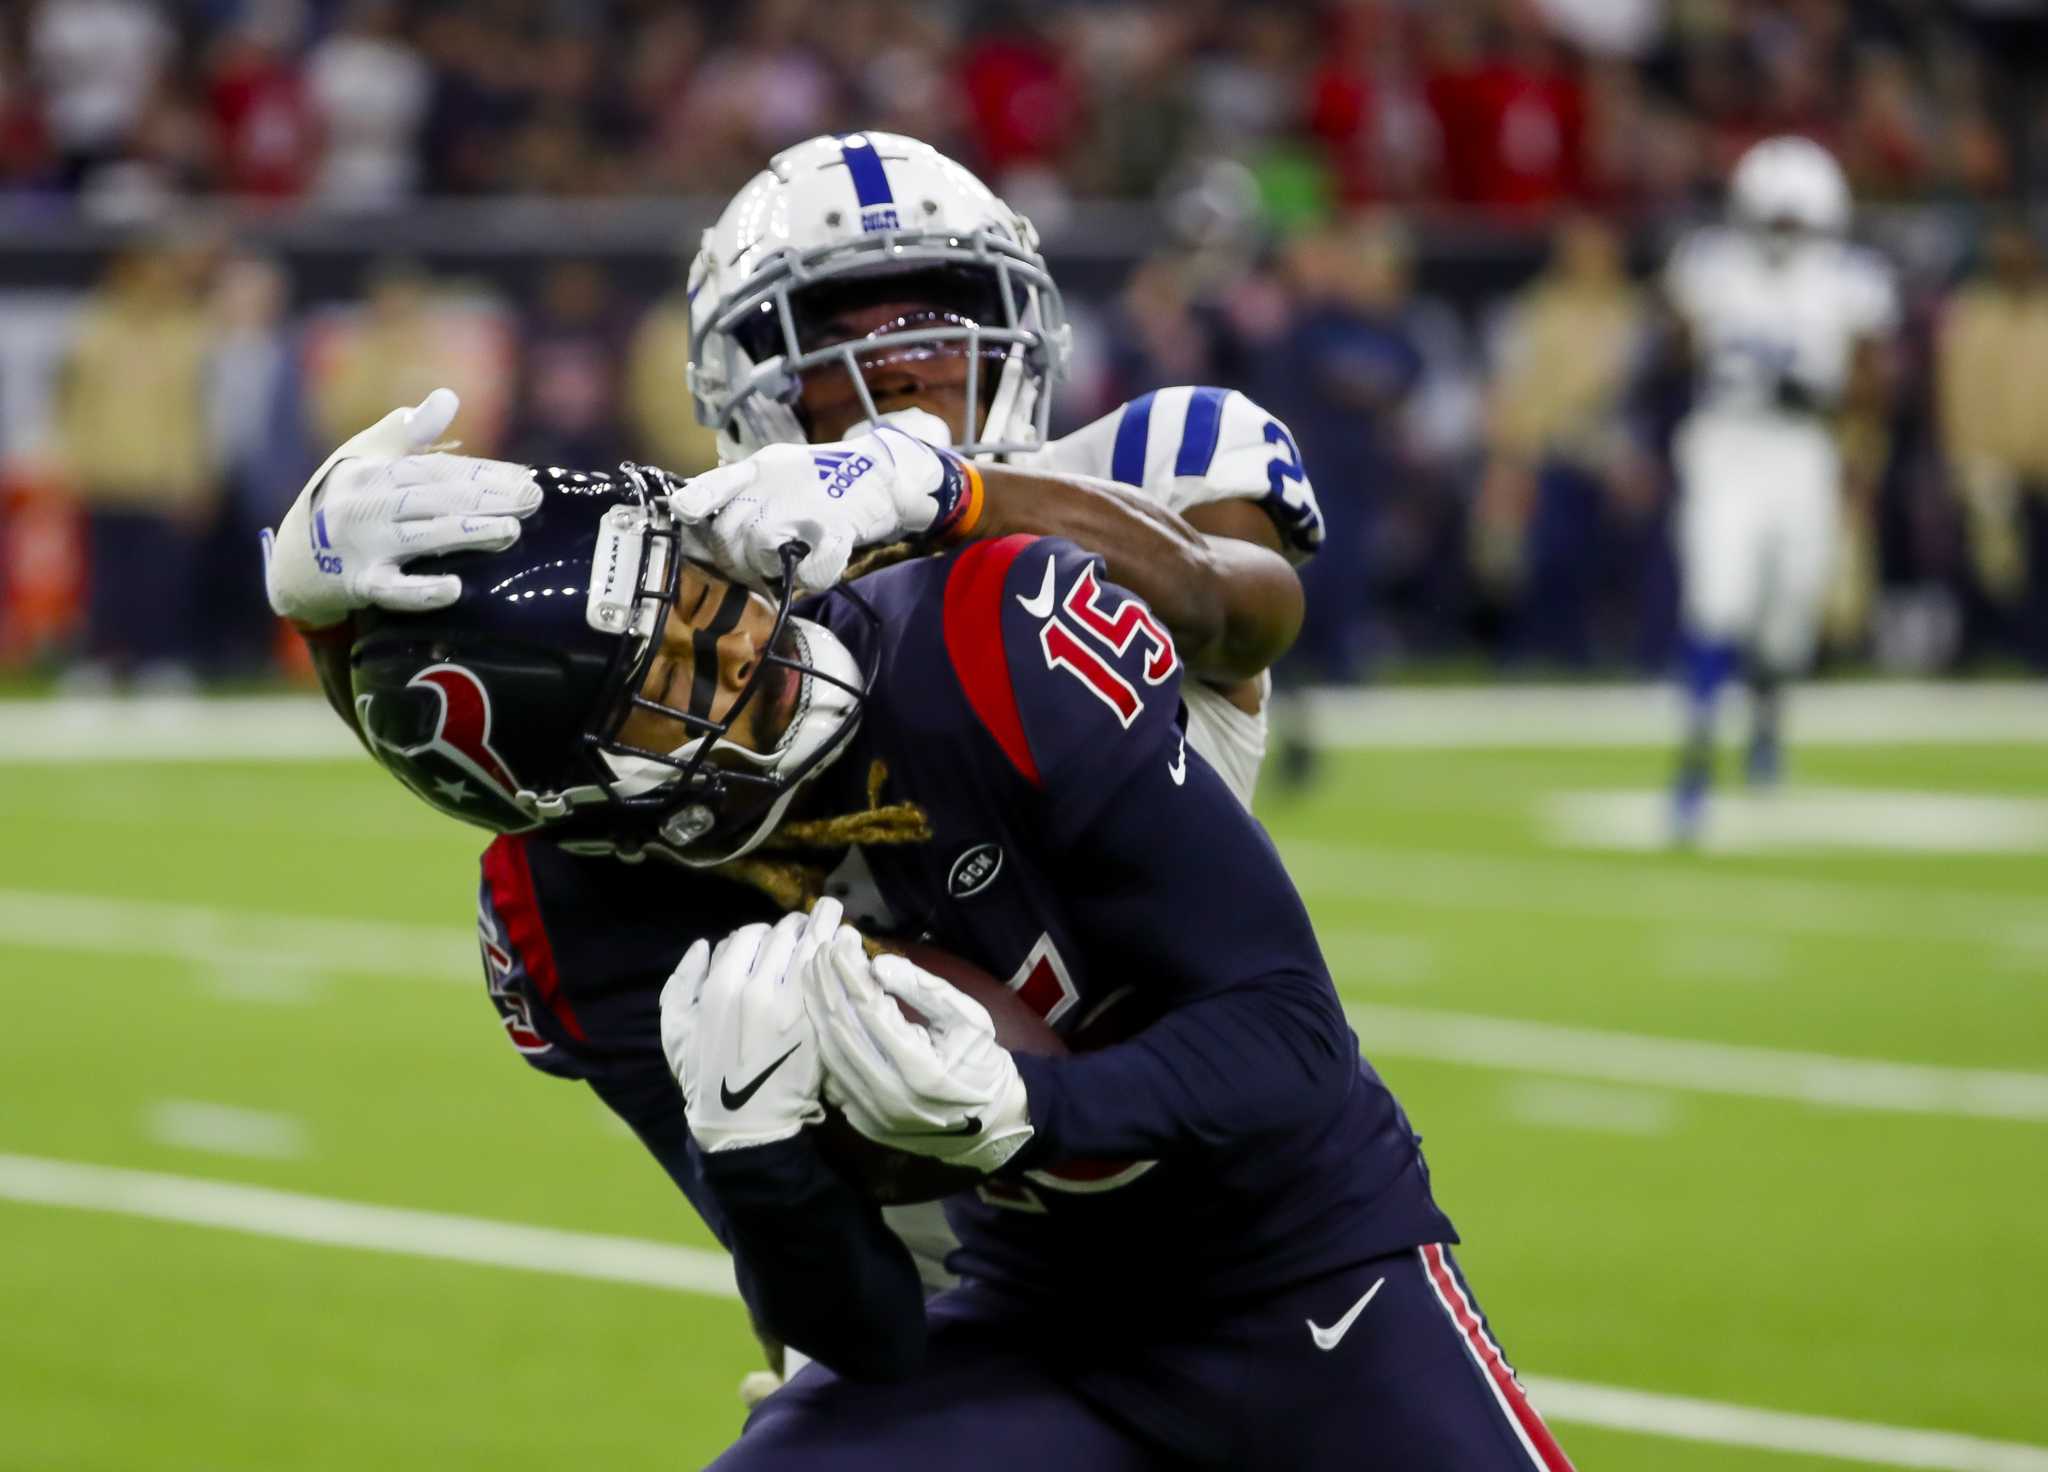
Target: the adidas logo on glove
pixel 839 469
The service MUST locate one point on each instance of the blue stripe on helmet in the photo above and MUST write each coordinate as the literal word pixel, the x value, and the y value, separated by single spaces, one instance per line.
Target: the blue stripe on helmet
pixel 1198 434
pixel 1127 459
pixel 870 179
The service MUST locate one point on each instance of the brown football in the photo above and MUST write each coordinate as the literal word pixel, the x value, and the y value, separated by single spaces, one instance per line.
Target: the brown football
pixel 896 1177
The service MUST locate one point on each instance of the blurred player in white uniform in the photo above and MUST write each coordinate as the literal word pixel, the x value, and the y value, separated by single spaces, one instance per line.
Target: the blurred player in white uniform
pixel 1783 317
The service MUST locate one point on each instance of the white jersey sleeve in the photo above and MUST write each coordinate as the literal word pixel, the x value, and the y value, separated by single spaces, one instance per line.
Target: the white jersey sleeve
pixel 1183 447
pixel 1760 317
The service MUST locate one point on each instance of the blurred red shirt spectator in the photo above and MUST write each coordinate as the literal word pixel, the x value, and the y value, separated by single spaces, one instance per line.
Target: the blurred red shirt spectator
pixel 1024 100
pixel 1365 102
pixel 267 133
pixel 1512 124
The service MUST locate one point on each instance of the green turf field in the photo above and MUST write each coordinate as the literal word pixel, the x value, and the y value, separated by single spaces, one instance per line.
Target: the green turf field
pixel 1693 1182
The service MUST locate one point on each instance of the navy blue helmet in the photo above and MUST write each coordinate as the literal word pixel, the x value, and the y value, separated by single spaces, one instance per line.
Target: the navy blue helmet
pixel 505 708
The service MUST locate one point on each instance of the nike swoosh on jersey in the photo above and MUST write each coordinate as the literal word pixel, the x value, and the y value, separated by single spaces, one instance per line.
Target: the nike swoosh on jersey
pixel 733 1098
pixel 1041 606
pixel 1327 1339
pixel 1178 767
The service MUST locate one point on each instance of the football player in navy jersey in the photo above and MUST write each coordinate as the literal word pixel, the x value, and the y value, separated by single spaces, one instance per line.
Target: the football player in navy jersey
pixel 1212 1244
pixel 577 947
pixel 953 335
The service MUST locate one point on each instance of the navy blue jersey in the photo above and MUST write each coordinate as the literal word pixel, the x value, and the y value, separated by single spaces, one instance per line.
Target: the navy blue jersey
pixel 1082 852
pixel 1231 1142
pixel 576 950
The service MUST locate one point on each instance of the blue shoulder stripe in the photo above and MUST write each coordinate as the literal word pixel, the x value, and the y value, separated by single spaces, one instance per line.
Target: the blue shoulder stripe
pixel 870 179
pixel 1127 459
pixel 1198 434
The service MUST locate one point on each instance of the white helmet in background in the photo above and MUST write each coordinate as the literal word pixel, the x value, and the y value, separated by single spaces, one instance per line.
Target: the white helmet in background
pixel 831 214
pixel 1790 180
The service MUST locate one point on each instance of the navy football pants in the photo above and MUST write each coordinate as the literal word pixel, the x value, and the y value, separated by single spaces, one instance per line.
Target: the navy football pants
pixel 1410 1382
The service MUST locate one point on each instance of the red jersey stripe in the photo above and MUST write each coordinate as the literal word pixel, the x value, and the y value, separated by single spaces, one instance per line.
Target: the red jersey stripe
pixel 1544 1452
pixel 512 896
pixel 974 642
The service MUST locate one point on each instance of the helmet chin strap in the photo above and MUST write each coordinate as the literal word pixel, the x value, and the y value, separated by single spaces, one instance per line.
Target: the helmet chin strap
pixel 817 730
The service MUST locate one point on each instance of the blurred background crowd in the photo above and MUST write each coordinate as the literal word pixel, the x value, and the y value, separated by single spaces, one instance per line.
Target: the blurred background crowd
pixel 1424 234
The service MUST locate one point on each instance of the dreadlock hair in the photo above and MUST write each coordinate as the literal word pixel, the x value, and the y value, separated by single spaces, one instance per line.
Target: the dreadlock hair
pixel 796 883
pixel 877 558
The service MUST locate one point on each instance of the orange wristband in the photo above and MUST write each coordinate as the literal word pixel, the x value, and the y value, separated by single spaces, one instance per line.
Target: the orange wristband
pixel 973 497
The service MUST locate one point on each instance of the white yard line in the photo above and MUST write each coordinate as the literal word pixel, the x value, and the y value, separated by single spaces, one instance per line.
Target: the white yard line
pixel 261 1212
pixel 259 728
pixel 1849 713
pixel 289 728
pixel 1649 890
pixel 1803 819
pixel 249 942
pixel 1606 1109
pixel 1822 1079
pixel 1681 1418
pixel 223 1129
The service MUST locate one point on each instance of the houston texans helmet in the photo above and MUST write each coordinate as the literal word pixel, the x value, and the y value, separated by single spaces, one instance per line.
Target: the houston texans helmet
pixel 505 708
pixel 855 212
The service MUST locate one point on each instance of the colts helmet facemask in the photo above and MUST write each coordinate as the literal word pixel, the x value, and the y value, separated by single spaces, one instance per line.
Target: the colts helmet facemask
pixel 858 219
pixel 505 708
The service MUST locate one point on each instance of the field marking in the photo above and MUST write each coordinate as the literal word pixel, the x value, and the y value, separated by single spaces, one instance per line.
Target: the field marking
pixel 300 728
pixel 1609 1109
pixel 262 1212
pixel 1803 819
pixel 1721 956
pixel 244 941
pixel 1516 717
pixel 1824 1079
pixel 1676 893
pixel 259 1211
pixel 222 1129
pixel 295 945
pixel 173 728
pixel 1682 1418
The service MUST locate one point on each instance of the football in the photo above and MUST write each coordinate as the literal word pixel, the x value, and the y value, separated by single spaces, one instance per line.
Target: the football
pixel 897 1177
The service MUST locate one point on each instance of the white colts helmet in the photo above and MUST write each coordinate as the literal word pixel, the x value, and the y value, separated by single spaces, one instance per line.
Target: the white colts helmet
pixel 832 212
pixel 1790 179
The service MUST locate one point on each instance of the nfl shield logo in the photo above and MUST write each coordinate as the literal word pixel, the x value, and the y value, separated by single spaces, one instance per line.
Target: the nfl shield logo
pixel 974 871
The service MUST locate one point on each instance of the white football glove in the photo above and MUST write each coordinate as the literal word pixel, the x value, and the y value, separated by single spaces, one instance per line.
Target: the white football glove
pixel 737 1035
pixel 945 1089
pixel 376 505
pixel 885 483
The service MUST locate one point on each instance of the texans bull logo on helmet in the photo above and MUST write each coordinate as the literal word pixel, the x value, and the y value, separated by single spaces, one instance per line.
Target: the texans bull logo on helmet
pixel 436 736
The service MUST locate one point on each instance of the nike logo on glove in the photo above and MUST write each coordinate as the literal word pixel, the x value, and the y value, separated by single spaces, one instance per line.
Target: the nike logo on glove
pixel 737 1099
pixel 1326 1339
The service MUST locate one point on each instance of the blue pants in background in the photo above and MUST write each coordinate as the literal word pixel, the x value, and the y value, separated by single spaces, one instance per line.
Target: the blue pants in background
pixel 142 576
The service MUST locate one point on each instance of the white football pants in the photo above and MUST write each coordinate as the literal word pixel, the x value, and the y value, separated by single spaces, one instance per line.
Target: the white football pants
pixel 1758 522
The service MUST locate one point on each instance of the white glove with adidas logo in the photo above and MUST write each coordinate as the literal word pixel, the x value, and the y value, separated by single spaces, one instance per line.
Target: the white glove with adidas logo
pixel 379 503
pixel 882 485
